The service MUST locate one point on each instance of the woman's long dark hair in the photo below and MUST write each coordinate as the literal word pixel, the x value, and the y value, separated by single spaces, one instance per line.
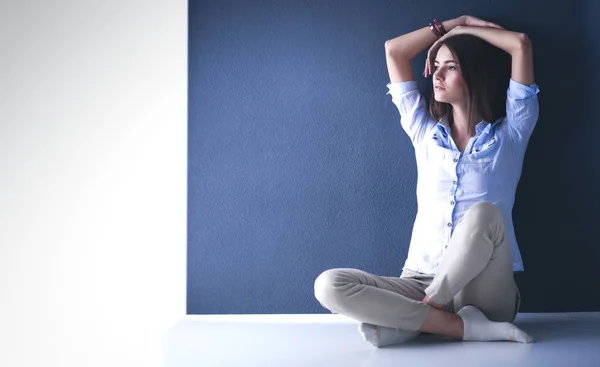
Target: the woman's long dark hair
pixel 485 70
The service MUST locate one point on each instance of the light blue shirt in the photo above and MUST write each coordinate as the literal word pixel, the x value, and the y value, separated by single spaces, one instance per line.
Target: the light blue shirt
pixel 450 182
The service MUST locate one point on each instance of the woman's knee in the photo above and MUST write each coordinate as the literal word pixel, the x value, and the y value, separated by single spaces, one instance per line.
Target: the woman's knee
pixel 327 285
pixel 484 211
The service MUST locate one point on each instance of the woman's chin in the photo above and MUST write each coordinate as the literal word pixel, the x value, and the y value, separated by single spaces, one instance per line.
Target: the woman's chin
pixel 440 97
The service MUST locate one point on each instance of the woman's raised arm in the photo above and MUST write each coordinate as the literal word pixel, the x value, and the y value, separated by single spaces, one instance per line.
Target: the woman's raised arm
pixel 401 50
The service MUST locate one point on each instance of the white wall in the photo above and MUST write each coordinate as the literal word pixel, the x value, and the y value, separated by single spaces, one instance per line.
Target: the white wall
pixel 93 165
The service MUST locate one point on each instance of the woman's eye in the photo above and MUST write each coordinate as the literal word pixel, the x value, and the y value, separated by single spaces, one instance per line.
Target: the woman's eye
pixel 453 67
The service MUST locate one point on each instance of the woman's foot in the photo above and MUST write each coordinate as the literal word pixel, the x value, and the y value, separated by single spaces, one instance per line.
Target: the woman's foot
pixel 477 327
pixel 380 336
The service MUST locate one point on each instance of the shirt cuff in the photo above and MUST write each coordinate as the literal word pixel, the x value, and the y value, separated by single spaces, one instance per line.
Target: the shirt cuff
pixel 402 87
pixel 522 91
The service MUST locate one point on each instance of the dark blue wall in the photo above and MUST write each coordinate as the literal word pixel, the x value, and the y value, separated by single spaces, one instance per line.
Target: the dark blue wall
pixel 298 162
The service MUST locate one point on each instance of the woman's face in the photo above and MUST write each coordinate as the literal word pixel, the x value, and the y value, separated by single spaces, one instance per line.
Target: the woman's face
pixel 447 75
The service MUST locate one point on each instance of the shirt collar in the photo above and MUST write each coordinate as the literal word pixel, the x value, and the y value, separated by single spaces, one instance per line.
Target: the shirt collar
pixel 483 126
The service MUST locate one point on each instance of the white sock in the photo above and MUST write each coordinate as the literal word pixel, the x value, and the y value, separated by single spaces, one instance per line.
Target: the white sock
pixel 381 336
pixel 480 328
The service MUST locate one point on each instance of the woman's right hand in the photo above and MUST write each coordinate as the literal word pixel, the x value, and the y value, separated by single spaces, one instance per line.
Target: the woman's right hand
pixel 469 20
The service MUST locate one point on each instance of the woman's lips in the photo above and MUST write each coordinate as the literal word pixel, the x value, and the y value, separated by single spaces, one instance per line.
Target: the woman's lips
pixel 439 88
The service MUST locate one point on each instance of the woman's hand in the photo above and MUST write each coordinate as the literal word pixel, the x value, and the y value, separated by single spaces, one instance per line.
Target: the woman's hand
pixel 472 21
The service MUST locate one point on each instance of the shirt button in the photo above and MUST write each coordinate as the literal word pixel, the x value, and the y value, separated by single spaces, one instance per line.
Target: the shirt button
pixel 452 202
pixel 455 159
pixel 449 224
pixel 454 182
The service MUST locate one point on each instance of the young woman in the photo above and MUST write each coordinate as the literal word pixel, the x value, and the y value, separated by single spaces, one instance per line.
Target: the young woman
pixel 457 280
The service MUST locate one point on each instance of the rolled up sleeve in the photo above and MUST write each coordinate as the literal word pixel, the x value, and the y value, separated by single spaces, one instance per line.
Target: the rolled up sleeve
pixel 414 116
pixel 522 110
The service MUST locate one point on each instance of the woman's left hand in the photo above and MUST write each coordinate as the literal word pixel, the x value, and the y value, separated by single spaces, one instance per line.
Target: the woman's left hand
pixel 429 60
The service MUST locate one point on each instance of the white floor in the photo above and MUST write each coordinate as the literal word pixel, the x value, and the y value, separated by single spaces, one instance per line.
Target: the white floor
pixel 565 339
